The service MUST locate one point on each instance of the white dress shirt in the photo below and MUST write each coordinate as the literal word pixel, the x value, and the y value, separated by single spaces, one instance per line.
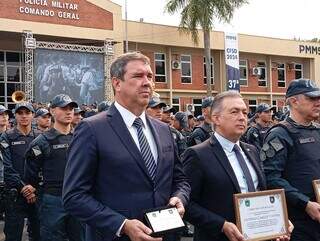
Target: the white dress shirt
pixel 228 150
pixel 128 118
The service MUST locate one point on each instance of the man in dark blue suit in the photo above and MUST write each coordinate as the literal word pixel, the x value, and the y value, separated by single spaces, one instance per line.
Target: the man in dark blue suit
pixel 122 162
pixel 220 167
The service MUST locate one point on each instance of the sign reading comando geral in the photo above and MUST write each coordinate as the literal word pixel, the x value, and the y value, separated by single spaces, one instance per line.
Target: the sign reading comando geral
pixel 60 9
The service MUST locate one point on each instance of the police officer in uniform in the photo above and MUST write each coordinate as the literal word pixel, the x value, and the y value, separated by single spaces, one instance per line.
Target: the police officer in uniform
pixel 14 143
pixel 48 153
pixel 256 133
pixel 166 114
pixel 203 131
pixel 103 106
pixel 291 155
pixel 77 117
pixel 43 119
pixel 4 119
pixel 155 106
pixel 180 122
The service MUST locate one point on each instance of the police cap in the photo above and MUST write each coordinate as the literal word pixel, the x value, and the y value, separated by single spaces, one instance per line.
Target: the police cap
pixel 42 112
pixel 25 105
pixel 62 100
pixel 77 110
pixel 182 118
pixel 168 109
pixel 263 107
pixel 3 109
pixel 155 101
pixel 303 86
pixel 206 102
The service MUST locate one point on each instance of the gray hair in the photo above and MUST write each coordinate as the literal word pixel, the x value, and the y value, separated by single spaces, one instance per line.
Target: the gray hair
pixel 118 66
pixel 216 106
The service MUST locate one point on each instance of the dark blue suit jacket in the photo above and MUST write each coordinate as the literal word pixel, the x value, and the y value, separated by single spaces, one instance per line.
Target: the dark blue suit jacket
pixel 213 184
pixel 106 179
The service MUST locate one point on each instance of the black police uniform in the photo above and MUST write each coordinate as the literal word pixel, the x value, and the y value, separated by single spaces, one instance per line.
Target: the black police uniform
pixel 13 147
pixel 291 155
pixel 200 134
pixel 2 186
pixel 48 154
pixel 256 134
pixel 179 139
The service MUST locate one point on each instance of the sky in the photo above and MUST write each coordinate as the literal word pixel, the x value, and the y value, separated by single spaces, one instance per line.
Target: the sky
pixel 272 18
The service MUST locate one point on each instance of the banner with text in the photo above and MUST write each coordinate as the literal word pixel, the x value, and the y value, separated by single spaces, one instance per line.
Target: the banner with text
pixel 232 61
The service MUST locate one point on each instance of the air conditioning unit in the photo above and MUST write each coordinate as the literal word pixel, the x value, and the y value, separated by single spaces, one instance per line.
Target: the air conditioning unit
pixel 190 108
pixel 256 71
pixel 175 64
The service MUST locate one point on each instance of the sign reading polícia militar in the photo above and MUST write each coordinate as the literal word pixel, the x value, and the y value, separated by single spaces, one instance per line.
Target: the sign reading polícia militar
pixel 78 13
pixel 49 8
pixel 232 61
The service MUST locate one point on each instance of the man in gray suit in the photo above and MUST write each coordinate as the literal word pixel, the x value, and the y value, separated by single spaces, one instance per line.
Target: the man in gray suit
pixel 122 162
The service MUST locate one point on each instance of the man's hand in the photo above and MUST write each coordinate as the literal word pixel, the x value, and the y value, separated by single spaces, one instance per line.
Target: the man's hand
pixel 313 210
pixel 27 190
pixel 137 231
pixel 232 232
pixel 286 237
pixel 32 198
pixel 176 202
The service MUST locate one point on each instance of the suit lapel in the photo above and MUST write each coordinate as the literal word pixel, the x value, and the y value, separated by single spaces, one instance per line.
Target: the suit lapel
pixel 124 135
pixel 222 158
pixel 254 162
pixel 155 132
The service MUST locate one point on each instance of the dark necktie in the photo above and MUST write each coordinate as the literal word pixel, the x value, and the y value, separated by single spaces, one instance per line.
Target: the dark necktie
pixel 145 149
pixel 244 168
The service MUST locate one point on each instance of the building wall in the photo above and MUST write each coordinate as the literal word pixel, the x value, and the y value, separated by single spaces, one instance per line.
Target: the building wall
pixel 197 89
pixel 102 19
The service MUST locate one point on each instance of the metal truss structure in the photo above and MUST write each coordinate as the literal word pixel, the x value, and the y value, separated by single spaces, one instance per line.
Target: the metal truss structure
pixel 108 58
pixel 70 47
pixel 27 86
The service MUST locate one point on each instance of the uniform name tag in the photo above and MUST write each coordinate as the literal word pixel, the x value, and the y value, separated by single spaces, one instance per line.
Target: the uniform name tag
pixel 60 146
pixel 307 140
pixel 14 143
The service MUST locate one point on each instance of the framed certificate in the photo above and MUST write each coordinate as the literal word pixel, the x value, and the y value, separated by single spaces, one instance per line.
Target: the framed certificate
pixel 164 220
pixel 261 215
pixel 316 187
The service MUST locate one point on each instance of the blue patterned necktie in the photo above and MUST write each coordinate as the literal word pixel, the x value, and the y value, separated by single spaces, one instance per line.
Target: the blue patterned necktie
pixel 244 168
pixel 145 149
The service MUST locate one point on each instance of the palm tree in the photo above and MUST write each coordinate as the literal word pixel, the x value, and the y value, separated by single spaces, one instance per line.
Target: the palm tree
pixel 202 13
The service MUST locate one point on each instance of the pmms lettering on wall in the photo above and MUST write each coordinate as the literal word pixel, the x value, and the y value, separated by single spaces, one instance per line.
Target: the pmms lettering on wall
pixel 309 49
pixel 60 9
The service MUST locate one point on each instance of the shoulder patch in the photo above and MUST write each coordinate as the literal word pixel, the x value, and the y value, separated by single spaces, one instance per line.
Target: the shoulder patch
pixel 276 144
pixel 270 152
pixel 263 156
pixel 265 147
pixel 4 144
pixel 36 151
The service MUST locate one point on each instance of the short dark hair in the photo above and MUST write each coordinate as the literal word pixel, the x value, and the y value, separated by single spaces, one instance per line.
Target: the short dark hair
pixel 118 66
pixel 216 105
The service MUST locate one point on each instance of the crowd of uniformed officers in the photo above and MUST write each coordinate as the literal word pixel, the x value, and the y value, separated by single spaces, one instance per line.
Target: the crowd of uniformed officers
pixel 33 158
pixel 33 152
